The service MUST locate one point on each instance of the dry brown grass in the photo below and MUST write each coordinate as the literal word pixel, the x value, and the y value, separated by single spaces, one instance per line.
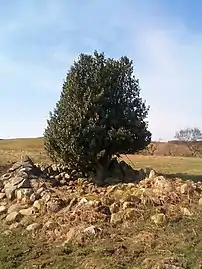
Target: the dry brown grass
pixel 11 150
pixel 186 167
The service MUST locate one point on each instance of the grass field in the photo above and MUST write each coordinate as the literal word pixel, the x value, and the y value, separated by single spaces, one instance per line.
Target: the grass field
pixel 184 167
pixel 178 242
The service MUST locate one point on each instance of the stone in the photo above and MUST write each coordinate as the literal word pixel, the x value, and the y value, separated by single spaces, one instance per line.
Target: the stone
pixel 15 166
pixel 184 188
pixel 27 211
pixel 67 176
pixel 10 191
pixel 128 205
pixel 152 174
pixel 200 202
pixel 13 217
pixel 22 174
pixel 93 203
pixel 6 177
pixel 16 180
pixel 14 225
pixel 25 183
pixel 83 201
pixel 46 196
pixel 92 230
pixel 40 190
pixel 33 227
pixel 37 205
pixel 116 218
pixel 13 208
pixel 186 211
pixel 3 209
pixel 25 192
pixel 33 197
pixel 63 181
pixel 2 195
pixel 54 205
pixel 58 177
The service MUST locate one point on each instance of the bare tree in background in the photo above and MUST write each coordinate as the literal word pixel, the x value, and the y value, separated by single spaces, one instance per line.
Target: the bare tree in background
pixel 153 147
pixel 171 149
pixel 191 137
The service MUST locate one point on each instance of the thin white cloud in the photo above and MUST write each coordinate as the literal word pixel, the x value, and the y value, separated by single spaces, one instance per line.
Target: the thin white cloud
pixel 169 73
pixel 167 57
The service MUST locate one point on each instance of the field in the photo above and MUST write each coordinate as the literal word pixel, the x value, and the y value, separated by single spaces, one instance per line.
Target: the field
pixel 184 167
pixel 179 243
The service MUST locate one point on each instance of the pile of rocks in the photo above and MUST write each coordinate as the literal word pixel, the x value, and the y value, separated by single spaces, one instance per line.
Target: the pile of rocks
pixel 30 190
pixel 24 190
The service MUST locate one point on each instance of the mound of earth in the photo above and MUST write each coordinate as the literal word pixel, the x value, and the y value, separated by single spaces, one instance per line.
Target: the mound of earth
pixel 50 204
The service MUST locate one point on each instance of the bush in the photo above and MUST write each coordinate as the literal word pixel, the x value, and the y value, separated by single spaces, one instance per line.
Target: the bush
pixel 99 114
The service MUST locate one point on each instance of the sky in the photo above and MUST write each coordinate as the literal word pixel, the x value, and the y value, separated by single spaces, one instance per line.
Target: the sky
pixel 39 40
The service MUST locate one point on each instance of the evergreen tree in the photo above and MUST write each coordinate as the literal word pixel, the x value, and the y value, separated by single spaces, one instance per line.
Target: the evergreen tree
pixel 100 114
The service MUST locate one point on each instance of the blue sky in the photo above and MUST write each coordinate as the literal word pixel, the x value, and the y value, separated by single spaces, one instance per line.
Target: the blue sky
pixel 40 39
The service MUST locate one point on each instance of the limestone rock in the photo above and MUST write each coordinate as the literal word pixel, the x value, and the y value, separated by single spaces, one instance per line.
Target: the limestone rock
pixel 200 202
pixel 33 197
pixel 10 191
pixel 46 196
pixel 37 205
pixel 13 208
pixel 14 225
pixel 128 205
pixel 185 211
pixel 92 229
pixel 67 176
pixel 54 205
pixel 152 174
pixel 117 218
pixel 24 192
pixel 27 211
pixel 16 180
pixel 33 227
pixel 2 195
pixel 83 201
pixel 3 209
pixel 13 217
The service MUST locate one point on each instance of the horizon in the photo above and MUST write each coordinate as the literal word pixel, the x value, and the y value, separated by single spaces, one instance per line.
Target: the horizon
pixel 40 41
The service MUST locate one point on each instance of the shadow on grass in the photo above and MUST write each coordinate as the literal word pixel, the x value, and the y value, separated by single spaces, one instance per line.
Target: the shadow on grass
pixel 184 176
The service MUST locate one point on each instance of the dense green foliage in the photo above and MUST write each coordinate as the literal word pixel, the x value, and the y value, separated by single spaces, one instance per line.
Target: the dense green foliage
pixel 99 114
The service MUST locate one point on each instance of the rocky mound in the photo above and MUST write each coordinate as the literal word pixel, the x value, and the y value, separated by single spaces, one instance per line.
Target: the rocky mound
pixel 62 205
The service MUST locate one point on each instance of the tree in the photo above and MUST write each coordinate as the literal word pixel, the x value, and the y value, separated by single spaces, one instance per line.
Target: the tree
pixel 99 114
pixel 191 137
pixel 153 147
